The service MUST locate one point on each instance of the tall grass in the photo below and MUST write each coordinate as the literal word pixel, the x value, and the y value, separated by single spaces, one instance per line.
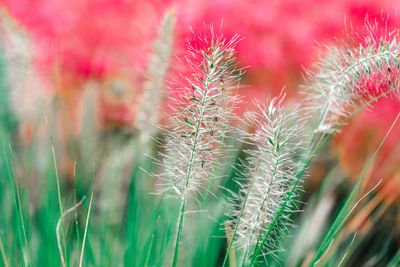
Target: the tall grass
pixel 201 190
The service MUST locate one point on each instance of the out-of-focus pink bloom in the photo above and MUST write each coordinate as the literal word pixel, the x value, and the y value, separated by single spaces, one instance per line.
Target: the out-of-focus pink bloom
pixel 281 37
pixel 90 37
pixel 99 37
pixel 78 40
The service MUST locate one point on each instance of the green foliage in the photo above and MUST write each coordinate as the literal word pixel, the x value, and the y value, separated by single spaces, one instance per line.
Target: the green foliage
pixel 106 213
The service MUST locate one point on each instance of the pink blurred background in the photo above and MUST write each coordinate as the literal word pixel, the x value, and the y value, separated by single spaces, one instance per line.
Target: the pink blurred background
pixel 77 41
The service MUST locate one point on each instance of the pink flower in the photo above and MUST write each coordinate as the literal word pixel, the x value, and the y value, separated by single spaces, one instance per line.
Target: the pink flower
pixel 90 38
pixel 81 40
pixel 98 37
pixel 78 40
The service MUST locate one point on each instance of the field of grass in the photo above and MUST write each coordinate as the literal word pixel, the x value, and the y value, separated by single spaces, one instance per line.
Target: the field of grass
pixel 208 188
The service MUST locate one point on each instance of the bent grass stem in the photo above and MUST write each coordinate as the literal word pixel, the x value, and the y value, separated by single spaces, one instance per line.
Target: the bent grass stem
pixel 308 161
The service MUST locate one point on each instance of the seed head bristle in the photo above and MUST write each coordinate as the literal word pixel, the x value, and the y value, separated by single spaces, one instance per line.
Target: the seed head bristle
pixel 270 173
pixel 200 115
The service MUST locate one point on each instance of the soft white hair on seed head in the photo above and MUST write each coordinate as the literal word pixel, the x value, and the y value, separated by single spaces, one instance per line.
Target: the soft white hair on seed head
pixel 347 76
pixel 269 174
pixel 200 115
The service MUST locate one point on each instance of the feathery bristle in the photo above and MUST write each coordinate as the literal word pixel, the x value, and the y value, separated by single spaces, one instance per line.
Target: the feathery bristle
pixel 270 173
pixel 200 115
pixel 159 62
pixel 345 77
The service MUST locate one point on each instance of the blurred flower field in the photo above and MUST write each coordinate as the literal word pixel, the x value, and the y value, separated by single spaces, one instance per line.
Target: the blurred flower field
pixel 199 133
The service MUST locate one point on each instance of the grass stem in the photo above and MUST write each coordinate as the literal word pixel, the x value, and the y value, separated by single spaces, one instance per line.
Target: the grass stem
pixel 86 227
pixel 333 230
pixel 306 164
pixel 232 238
pixel 59 200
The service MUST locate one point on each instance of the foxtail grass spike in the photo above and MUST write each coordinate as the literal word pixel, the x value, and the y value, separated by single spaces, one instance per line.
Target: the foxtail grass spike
pixel 276 140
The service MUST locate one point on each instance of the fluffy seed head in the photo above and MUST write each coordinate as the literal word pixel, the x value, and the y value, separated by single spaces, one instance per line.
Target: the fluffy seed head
pixel 159 63
pixel 200 115
pixel 347 76
pixel 270 173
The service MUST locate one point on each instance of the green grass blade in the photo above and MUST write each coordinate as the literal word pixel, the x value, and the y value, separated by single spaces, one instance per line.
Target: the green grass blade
pixel 20 212
pixel 395 261
pixel 342 214
pixel 306 164
pixel 3 253
pixel 178 236
pixel 17 207
pixel 240 215
pixel 78 238
pixel 86 227
pixel 63 245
